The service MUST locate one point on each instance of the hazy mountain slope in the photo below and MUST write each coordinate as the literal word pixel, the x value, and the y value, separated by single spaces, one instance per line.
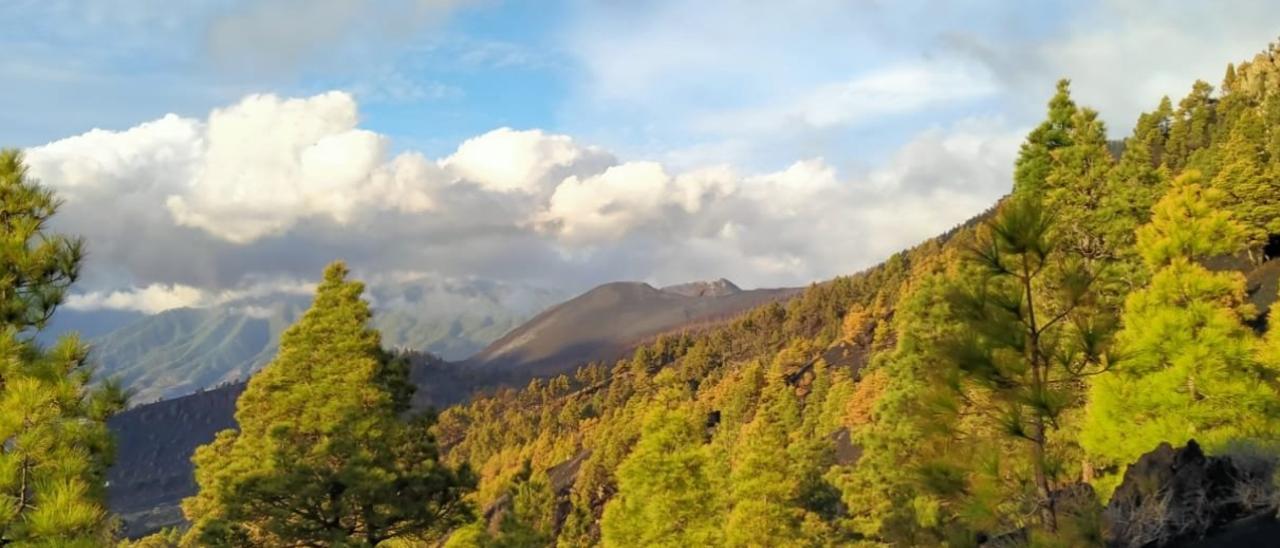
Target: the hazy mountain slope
pixel 179 351
pixel 606 321
pixel 454 319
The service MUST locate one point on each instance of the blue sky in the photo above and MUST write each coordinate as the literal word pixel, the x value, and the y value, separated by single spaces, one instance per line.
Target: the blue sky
pixel 773 143
pixel 463 68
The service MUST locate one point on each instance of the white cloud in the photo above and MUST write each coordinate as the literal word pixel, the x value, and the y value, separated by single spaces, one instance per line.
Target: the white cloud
pixel 268 161
pixel 149 300
pixel 1123 55
pixel 185 212
pixel 508 160
pixel 148 156
pixel 250 170
pixel 893 90
pixel 605 207
pixel 155 298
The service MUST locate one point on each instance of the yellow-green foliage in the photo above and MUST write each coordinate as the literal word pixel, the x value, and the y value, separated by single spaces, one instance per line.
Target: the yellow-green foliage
pixel 1189 369
pixel 665 495
pixel 54 445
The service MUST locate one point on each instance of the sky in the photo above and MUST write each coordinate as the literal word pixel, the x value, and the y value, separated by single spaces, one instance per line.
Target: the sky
pixel 234 147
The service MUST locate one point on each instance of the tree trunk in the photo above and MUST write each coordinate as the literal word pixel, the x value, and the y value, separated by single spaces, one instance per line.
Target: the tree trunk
pixel 1048 516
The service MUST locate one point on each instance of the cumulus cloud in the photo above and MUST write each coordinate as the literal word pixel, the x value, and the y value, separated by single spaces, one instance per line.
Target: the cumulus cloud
pixel 260 194
pixel 606 207
pixel 268 161
pixel 252 169
pixel 506 160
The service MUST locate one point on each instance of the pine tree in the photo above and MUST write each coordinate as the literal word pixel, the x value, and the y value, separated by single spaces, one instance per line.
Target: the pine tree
pixel 763 489
pixel 1249 188
pixel 527 520
pixel 54 445
pixel 1133 186
pixel 1035 158
pixel 322 456
pixel 1032 329
pixel 882 491
pixel 664 492
pixel 1075 185
pixel 1192 128
pixel 1188 369
pixel 532 517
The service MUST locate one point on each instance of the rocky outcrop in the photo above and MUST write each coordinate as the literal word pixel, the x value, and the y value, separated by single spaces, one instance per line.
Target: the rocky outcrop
pixel 714 288
pixel 1177 495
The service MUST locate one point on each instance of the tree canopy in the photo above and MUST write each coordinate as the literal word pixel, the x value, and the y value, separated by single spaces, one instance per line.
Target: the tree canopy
pixel 322 456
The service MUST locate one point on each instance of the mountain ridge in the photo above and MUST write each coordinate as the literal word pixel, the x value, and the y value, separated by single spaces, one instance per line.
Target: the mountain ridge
pixel 183 350
pixel 598 324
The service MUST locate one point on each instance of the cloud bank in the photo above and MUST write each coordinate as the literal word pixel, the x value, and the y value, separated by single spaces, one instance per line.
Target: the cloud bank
pixel 184 211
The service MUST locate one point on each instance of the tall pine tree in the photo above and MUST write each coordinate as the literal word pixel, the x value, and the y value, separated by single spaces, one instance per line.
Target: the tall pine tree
pixel 1133 186
pixel 1191 132
pixel 323 456
pixel 763 490
pixel 1075 184
pixel 1031 330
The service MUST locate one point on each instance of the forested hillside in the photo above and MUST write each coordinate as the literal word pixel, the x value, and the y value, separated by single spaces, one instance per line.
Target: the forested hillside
pixel 993 382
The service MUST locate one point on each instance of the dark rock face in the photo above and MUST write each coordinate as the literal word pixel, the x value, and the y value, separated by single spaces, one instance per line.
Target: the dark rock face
pixel 1171 495
pixel 1262 529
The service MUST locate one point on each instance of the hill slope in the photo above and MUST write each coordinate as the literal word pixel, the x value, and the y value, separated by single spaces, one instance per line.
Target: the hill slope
pixel 603 323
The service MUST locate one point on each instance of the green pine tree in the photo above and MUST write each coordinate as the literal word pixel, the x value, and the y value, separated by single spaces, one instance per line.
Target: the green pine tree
pixel 1188 369
pixel 1075 185
pixel 1192 129
pixel 54 445
pixel 323 456
pixel 664 493
pixel 763 490
pixel 1132 189
pixel 1032 328
pixel 1248 186
pixel 1035 158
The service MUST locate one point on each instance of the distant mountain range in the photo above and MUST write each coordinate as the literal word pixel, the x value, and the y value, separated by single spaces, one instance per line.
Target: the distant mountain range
pixel 153 470
pixel 180 351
